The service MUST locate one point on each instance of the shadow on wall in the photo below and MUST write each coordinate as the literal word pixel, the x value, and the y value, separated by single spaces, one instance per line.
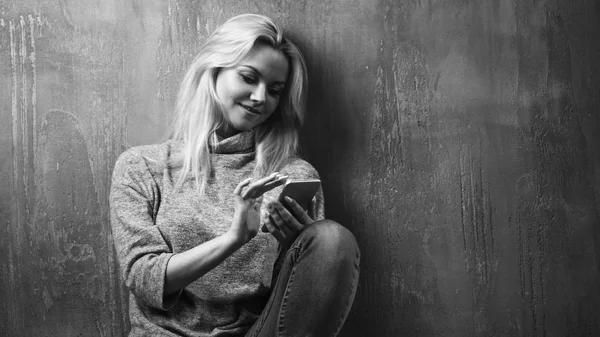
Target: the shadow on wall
pixel 353 139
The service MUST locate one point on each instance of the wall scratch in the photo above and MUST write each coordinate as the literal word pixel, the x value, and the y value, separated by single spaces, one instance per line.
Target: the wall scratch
pixel 23 115
pixel 15 121
pixel 32 61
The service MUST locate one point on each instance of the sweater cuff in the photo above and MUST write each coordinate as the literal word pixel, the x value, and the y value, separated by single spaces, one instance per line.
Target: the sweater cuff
pixel 158 298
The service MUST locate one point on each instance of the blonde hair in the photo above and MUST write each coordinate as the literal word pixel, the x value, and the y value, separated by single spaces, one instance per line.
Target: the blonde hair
pixel 199 112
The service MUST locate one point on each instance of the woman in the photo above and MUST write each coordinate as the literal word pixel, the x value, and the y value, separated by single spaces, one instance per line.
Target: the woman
pixel 185 214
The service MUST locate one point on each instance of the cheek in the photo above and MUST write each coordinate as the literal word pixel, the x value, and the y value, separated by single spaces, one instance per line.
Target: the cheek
pixel 226 87
pixel 220 89
pixel 272 106
pixel 273 103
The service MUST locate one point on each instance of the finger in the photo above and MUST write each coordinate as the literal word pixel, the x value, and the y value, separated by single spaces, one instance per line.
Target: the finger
pixel 270 177
pixel 266 224
pixel 279 236
pixel 263 185
pixel 289 224
pixel 261 189
pixel 277 220
pixel 259 182
pixel 299 212
pixel 270 185
pixel 264 214
pixel 274 231
pixel 241 185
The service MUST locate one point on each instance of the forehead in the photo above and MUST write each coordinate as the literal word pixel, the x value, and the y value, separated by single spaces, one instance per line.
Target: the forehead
pixel 272 64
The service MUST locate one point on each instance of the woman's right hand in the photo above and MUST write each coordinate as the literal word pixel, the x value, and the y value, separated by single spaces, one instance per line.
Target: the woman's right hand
pixel 246 217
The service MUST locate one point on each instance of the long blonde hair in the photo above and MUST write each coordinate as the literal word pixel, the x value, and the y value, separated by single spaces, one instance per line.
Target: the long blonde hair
pixel 199 112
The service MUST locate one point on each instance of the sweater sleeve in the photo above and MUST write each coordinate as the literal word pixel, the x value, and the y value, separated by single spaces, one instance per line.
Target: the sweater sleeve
pixel 142 252
pixel 316 210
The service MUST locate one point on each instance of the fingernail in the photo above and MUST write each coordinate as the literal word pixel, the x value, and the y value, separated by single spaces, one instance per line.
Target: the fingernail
pixel 288 198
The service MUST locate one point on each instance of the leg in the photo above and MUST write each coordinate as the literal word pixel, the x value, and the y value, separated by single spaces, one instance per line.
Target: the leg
pixel 316 285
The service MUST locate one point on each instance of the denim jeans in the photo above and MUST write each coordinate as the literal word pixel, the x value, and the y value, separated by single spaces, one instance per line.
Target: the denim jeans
pixel 315 287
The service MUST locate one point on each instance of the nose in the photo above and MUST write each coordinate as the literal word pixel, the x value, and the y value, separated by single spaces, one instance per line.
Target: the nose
pixel 258 94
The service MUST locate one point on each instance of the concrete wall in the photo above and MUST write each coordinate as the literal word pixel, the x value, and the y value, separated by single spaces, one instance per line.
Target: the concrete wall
pixel 459 141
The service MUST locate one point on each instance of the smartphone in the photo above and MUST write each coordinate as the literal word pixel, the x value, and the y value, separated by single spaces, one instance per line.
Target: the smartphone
pixel 302 191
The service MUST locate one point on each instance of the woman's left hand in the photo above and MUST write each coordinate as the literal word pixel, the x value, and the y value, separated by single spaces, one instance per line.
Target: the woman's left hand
pixel 284 226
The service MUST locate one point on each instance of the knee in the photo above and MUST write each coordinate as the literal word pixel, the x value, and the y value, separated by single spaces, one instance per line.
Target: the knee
pixel 333 240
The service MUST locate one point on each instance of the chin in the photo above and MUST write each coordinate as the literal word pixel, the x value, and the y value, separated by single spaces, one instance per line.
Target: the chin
pixel 242 126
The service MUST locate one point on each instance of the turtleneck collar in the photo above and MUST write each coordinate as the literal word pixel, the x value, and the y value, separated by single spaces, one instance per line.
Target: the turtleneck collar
pixel 242 142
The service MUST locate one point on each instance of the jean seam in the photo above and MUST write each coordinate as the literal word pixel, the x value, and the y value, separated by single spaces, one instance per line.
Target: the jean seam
pixel 348 305
pixel 284 299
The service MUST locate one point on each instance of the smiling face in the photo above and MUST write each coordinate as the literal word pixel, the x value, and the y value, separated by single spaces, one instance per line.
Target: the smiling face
pixel 250 91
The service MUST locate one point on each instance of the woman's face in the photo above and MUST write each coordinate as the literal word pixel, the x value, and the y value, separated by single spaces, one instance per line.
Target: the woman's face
pixel 250 90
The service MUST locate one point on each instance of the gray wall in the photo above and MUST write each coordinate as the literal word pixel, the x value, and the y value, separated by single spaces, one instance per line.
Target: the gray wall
pixel 459 141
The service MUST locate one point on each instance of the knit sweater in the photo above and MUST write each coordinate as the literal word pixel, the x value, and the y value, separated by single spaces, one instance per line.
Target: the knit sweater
pixel 151 222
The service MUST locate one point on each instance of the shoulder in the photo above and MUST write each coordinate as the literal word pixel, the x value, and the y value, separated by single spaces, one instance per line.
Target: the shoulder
pixel 298 168
pixel 143 158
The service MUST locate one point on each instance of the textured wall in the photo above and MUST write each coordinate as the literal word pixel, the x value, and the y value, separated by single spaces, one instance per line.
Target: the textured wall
pixel 459 140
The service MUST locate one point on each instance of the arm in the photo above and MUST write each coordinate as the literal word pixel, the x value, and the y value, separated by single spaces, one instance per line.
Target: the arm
pixel 142 252
pixel 152 272
pixel 186 267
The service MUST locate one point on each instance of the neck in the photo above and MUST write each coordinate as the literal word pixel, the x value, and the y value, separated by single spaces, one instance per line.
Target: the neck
pixel 226 131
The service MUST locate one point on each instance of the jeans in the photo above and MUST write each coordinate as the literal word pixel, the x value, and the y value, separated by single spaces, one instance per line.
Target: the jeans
pixel 315 287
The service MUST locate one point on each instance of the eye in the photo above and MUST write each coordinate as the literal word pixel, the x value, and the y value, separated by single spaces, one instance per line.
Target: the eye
pixel 248 78
pixel 275 91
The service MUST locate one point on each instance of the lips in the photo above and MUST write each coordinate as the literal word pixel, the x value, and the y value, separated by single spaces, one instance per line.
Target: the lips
pixel 250 109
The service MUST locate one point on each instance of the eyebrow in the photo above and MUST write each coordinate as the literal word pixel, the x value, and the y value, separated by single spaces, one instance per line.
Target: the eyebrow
pixel 260 74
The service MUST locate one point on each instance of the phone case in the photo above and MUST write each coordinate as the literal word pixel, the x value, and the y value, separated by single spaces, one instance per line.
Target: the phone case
pixel 302 191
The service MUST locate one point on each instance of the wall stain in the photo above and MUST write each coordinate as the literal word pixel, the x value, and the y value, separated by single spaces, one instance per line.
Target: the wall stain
pixel 66 224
